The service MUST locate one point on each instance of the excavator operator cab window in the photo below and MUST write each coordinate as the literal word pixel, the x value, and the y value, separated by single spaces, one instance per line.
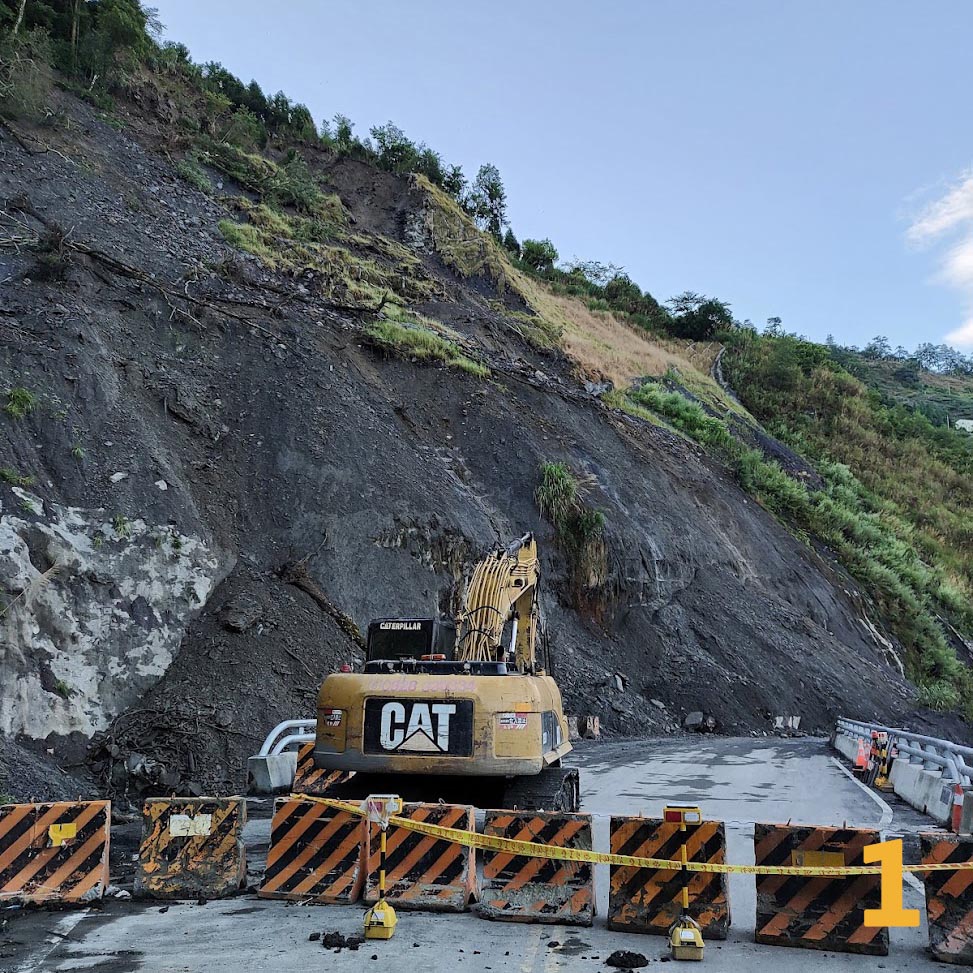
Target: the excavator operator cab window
pixel 410 638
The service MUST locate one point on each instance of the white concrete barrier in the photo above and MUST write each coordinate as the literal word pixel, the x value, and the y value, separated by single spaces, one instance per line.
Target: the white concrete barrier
pixel 846 746
pixel 271 773
pixel 925 790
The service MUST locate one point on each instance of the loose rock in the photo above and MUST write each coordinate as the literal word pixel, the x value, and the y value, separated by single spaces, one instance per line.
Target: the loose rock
pixel 624 959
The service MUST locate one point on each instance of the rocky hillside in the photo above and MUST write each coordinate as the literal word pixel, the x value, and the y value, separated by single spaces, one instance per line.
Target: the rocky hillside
pixel 247 406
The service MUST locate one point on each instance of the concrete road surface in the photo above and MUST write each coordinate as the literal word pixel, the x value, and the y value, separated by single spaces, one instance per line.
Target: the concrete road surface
pixel 737 780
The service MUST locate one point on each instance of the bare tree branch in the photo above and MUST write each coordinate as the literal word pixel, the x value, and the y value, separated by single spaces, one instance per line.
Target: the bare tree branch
pixel 20 17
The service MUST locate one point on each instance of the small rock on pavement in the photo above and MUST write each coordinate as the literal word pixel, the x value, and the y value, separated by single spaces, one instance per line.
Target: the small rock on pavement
pixel 334 940
pixel 624 959
pixel 314 937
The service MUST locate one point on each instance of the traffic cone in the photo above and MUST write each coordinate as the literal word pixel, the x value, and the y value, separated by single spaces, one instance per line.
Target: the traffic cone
pixel 956 816
pixel 861 760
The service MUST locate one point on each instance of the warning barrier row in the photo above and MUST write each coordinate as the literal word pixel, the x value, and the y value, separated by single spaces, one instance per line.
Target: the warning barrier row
pixel 812 886
pixel 489 842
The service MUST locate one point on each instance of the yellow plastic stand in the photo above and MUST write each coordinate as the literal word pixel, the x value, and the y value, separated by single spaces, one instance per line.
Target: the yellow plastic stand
pixel 380 919
pixel 685 936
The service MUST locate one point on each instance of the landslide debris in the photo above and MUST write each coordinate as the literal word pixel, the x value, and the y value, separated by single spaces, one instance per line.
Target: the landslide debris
pixel 307 396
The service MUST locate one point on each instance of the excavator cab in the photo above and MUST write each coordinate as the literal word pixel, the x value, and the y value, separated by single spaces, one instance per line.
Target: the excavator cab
pixel 410 638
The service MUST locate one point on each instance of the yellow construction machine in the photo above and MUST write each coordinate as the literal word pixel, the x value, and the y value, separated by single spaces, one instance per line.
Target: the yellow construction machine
pixel 467 706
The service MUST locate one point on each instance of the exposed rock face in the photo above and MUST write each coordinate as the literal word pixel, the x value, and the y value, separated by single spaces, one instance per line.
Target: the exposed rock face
pixel 95 612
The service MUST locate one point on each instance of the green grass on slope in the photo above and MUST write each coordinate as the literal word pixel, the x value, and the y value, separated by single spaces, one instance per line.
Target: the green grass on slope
pixel 423 344
pixel 897 507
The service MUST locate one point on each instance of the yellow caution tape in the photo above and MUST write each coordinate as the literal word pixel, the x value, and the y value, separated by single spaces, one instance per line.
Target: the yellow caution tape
pixel 531 849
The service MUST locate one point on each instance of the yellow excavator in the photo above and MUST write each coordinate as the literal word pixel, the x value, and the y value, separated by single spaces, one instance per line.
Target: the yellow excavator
pixel 466 708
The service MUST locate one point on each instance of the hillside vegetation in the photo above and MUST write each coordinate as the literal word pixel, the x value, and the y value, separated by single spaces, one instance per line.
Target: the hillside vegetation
pixel 942 393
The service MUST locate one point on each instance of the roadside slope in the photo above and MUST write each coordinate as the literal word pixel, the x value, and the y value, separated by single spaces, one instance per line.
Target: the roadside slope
pixel 204 418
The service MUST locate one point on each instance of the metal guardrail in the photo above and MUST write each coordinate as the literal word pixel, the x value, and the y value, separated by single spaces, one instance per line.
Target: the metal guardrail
pixel 952 759
pixel 287 733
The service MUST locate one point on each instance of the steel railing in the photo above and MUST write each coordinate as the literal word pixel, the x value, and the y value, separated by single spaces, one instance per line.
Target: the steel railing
pixel 952 759
pixel 285 734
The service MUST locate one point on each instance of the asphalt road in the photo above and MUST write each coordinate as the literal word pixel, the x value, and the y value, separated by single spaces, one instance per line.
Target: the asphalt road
pixel 736 780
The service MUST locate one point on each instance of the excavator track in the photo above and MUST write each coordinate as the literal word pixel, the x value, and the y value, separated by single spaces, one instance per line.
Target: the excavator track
pixel 553 789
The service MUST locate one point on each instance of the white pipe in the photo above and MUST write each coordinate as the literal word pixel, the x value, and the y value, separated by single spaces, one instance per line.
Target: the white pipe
pixel 282 745
pixel 303 726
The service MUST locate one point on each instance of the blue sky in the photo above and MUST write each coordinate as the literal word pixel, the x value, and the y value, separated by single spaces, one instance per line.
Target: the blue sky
pixel 807 160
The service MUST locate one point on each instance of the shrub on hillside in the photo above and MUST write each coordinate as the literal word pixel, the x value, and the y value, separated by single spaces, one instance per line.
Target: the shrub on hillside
pixel 396 152
pixel 416 341
pixel 191 171
pixel 539 255
pixel 486 201
pixel 580 533
pixel 697 318
pixel 25 73
pixel 245 130
pixel 510 243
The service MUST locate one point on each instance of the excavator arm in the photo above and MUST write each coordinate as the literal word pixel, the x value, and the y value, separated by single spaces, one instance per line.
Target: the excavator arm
pixel 502 588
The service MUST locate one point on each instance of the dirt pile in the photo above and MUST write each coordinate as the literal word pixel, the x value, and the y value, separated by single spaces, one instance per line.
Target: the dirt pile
pixel 233 421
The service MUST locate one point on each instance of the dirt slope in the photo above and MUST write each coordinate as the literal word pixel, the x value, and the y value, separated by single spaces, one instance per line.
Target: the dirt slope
pixel 202 423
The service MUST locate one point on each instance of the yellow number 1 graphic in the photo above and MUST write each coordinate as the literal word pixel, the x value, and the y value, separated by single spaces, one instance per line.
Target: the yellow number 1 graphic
pixel 891 911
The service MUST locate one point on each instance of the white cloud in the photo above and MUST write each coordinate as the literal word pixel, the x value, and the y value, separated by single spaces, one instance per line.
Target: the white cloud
pixel 943 220
pixel 962 337
pixel 958 265
pixel 952 210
